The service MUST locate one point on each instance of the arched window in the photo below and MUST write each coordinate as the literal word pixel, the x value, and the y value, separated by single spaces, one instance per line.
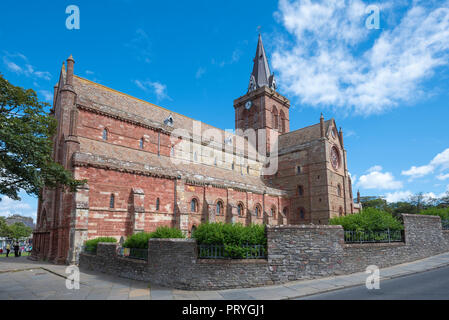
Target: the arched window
pixel 172 151
pixel 195 156
pixel 219 209
pixel 240 210
pixel 273 212
pixel 298 169
pixel 141 143
pixel 112 201
pixel 233 166
pixel 282 116
pixel 340 211
pixel 300 191
pixel 285 211
pixel 158 202
pixel 194 205
pixel 302 213
pixel 105 134
pixel 339 190
pixel 258 210
pixel 275 118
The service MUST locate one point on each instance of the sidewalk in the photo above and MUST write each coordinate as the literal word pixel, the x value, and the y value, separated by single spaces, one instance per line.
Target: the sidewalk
pixel 21 278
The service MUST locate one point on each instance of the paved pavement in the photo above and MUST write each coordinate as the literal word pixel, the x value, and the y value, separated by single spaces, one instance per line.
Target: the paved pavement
pixel 429 285
pixel 22 279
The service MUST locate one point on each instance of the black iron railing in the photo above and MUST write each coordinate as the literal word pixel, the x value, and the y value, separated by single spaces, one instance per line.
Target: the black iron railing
pixel 213 251
pixel 133 253
pixel 445 224
pixel 376 236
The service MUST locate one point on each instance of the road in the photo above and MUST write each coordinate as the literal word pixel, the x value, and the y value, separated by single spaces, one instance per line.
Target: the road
pixel 429 285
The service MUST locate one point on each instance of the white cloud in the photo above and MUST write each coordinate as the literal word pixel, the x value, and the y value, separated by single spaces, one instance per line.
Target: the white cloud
pixel 48 96
pixel 443 177
pixel 398 196
pixel 9 206
pixel 159 89
pixel 440 161
pixel 376 179
pixel 27 69
pixel 200 72
pixel 332 61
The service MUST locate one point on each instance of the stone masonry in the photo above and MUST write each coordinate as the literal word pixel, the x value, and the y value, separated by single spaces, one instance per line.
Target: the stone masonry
pixel 294 252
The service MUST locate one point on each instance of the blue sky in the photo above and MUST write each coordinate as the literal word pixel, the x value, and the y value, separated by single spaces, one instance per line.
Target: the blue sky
pixel 387 88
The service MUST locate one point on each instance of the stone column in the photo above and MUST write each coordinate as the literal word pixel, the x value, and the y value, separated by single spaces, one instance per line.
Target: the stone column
pixel 138 210
pixel 78 223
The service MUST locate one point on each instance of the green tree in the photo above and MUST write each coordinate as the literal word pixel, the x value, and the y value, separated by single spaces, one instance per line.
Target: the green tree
pixel 376 203
pixel 18 231
pixel 419 201
pixel 26 132
pixel 3 227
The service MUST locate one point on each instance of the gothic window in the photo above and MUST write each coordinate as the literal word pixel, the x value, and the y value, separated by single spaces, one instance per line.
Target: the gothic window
pixel 141 143
pixel 240 210
pixel 273 212
pixel 339 190
pixel 194 205
pixel 275 118
pixel 158 202
pixel 302 213
pixel 105 134
pixel 258 210
pixel 285 211
pixel 282 117
pixel 300 191
pixel 298 169
pixel 195 156
pixel 219 209
pixel 340 211
pixel 247 169
pixel 233 166
pixel 172 151
pixel 112 201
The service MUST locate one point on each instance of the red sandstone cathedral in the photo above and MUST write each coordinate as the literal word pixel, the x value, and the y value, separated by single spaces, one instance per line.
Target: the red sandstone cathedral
pixel 147 166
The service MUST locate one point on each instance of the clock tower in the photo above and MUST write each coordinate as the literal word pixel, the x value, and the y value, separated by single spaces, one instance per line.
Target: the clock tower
pixel 262 107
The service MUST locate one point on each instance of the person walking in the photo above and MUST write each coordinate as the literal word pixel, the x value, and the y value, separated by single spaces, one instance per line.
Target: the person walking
pixel 8 249
pixel 16 249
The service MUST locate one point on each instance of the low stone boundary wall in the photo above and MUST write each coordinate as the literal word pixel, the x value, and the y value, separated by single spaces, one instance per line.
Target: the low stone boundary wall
pixel 294 252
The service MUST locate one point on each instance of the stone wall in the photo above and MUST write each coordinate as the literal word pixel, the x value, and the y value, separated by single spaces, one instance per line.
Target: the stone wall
pixel 294 252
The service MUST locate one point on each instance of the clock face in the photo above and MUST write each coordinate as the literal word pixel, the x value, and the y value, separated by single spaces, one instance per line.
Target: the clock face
pixel 335 158
pixel 248 105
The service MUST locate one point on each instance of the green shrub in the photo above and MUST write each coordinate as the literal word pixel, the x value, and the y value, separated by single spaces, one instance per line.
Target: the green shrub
pixel 230 234
pixel 234 238
pixel 443 213
pixel 368 220
pixel 140 240
pixel 91 245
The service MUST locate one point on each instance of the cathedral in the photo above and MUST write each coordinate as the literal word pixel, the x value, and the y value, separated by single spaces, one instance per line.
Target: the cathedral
pixel 147 166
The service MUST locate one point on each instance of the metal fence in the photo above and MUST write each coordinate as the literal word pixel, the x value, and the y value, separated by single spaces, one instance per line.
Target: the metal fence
pixel 377 236
pixel 206 251
pixel 445 224
pixel 133 253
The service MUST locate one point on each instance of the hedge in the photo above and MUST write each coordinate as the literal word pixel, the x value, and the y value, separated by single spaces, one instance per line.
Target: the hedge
pixel 91 245
pixel 443 213
pixel 230 234
pixel 370 219
pixel 140 240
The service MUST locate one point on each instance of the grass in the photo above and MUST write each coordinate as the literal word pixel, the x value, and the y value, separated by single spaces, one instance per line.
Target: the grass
pixel 11 254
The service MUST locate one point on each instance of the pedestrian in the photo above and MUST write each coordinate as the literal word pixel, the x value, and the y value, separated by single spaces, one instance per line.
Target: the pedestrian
pixel 8 249
pixel 16 249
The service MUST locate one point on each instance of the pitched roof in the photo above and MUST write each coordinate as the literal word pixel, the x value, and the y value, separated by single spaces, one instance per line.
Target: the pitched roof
pixel 261 75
